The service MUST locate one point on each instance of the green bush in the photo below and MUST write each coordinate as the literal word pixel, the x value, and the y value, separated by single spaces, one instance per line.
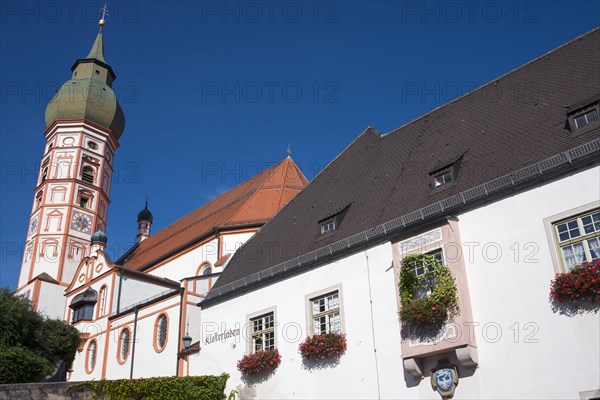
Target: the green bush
pixel 24 331
pixel 58 341
pixel 172 388
pixel 19 364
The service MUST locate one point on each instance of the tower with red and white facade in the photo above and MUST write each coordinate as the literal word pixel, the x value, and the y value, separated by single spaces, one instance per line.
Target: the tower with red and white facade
pixel 84 123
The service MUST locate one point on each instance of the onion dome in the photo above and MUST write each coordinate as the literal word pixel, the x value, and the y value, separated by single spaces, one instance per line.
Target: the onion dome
pixel 145 215
pixel 99 237
pixel 89 296
pixel 88 94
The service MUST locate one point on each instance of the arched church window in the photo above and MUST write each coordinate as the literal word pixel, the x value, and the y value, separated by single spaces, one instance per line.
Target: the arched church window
pixel 87 175
pixel 161 332
pixel 124 341
pixel 207 271
pixel 102 306
pixel 91 356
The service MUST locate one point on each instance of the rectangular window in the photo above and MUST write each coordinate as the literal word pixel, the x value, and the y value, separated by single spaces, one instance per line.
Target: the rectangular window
pixel 586 119
pixel 422 270
pixel 443 178
pixel 327 227
pixel 84 312
pixel 83 202
pixel 583 118
pixel 325 313
pixel 578 239
pixel 263 332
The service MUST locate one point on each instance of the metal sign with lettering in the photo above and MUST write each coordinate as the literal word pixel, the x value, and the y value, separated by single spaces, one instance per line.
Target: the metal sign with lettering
pixel 216 337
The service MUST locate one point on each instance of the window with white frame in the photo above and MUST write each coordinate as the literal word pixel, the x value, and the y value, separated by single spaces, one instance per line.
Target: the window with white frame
pixel 325 313
pixel 442 178
pixel 578 239
pixel 263 332
pixel 327 227
pixel 421 270
pixel 584 118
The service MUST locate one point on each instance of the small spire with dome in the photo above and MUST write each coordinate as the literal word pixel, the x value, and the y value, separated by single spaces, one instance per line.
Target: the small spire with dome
pixel 144 220
pixel 98 240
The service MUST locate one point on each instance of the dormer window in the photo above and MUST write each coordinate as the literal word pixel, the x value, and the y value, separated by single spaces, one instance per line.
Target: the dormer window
pixel 327 227
pixel 445 172
pixel 584 117
pixel 442 178
pixel 333 222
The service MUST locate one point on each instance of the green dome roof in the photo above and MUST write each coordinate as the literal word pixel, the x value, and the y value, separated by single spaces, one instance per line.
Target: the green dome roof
pixel 99 237
pixel 90 99
pixel 89 94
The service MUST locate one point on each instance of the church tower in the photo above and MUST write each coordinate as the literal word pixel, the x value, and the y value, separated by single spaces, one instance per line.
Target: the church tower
pixel 84 123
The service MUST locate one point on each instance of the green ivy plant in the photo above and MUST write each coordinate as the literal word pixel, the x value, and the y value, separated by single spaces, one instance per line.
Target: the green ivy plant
pixel 173 388
pixel 434 308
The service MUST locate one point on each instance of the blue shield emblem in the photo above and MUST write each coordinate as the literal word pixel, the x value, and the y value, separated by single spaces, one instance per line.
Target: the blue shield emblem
pixel 444 378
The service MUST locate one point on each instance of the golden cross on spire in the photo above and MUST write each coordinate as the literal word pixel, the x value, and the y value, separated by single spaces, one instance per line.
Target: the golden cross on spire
pixel 289 150
pixel 104 14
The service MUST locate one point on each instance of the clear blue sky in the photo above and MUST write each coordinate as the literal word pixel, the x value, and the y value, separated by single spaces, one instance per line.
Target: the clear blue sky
pixel 213 91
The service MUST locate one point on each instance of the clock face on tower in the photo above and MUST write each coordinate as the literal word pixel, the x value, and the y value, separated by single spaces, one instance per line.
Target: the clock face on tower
pixel 81 222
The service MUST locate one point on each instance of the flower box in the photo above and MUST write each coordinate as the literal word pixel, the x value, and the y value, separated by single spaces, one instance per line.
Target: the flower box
pixel 579 285
pixel 323 346
pixel 263 361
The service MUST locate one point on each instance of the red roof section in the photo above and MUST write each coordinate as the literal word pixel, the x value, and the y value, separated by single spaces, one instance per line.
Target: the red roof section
pixel 254 201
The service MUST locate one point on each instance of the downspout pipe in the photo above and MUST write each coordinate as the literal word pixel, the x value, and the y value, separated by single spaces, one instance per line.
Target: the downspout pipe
pixel 179 330
pixel 134 341
pixel 119 294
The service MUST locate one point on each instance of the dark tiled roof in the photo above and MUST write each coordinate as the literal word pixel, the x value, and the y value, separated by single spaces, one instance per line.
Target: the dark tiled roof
pixel 44 277
pixel 513 121
pixel 147 277
pixel 252 202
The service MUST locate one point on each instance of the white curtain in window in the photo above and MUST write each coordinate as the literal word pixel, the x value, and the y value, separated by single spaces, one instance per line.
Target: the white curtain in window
pixel 574 255
pixel 594 248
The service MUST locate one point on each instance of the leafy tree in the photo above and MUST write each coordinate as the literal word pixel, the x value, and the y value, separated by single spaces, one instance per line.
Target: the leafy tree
pixel 19 364
pixel 30 343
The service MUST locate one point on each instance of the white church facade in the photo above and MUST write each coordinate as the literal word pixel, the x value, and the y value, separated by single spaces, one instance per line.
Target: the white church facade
pixel 505 193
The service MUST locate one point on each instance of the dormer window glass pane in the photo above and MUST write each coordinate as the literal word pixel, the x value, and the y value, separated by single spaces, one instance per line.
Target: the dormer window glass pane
pixel 443 178
pixel 328 227
pixel 586 119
